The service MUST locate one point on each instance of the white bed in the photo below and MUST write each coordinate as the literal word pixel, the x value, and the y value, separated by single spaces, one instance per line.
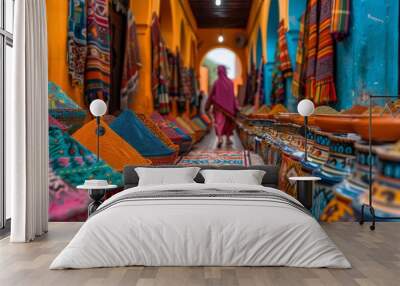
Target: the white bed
pixel 206 230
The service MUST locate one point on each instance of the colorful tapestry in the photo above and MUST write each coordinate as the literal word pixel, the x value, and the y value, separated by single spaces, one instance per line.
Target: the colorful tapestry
pixel 289 168
pixel 325 84
pixel 312 47
pixel 173 87
pixel 216 158
pixel 340 19
pixel 64 109
pixel 77 41
pixel 65 202
pixel 114 150
pixel 97 73
pixel 132 130
pixel 285 64
pixel 259 98
pixel 74 164
pixel 278 94
pixel 166 127
pixel 132 65
pixel 160 68
pixel 56 123
pixel 298 83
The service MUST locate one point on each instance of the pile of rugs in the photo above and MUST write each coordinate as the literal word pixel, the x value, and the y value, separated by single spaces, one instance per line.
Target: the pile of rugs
pixel 128 139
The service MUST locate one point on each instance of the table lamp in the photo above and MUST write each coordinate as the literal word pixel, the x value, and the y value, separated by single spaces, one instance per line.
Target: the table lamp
pixel 305 108
pixel 98 108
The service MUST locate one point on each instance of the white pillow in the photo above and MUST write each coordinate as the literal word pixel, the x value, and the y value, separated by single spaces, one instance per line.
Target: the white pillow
pixel 247 177
pixel 166 176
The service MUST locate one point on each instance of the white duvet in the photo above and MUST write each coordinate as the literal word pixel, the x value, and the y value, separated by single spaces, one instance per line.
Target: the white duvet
pixel 200 231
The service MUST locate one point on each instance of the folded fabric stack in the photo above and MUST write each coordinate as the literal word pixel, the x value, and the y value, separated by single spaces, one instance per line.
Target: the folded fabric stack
pixel 145 137
pixel 113 149
pixel 173 132
pixel 64 109
pixel 197 129
pixel 185 127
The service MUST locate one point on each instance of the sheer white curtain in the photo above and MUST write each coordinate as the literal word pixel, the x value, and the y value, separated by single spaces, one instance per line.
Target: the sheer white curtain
pixel 27 124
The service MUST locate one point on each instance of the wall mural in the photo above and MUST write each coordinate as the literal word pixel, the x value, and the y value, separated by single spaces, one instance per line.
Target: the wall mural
pixel 346 95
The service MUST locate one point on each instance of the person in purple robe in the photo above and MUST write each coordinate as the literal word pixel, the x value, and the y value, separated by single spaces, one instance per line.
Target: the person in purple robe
pixel 225 107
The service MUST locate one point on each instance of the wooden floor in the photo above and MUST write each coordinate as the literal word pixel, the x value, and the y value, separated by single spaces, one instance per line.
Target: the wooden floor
pixel 375 257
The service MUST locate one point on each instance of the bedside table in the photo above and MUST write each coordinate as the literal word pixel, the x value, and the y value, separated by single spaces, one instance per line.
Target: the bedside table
pixel 305 187
pixel 96 193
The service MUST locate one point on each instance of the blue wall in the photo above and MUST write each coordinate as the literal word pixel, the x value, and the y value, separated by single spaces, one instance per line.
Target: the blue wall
pixel 296 10
pixel 272 39
pixel 368 59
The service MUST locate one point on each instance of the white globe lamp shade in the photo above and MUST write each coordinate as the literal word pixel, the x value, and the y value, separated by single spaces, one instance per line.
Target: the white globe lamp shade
pixel 305 107
pixel 98 107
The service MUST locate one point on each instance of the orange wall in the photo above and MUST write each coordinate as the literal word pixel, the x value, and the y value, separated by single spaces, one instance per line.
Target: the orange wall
pixel 57 15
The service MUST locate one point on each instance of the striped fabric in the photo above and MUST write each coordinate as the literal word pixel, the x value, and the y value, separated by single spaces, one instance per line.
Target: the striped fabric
pixel 325 84
pixel 98 68
pixel 340 19
pixel 298 83
pixel 285 64
pixel 312 46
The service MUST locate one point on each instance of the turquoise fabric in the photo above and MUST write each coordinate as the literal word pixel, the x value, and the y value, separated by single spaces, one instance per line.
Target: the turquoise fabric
pixel 133 131
pixel 74 164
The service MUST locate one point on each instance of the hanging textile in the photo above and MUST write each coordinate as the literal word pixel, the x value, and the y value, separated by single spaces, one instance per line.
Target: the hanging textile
pixel 278 81
pixel 312 45
pixel 132 64
pixel 97 73
pixel 282 68
pixel 118 19
pixel 285 64
pixel 77 41
pixel 259 98
pixel 181 84
pixel 173 87
pixel 160 69
pixel 340 19
pixel 325 84
pixel 298 83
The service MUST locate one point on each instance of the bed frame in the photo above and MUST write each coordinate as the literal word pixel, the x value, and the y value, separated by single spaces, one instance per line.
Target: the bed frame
pixel 131 179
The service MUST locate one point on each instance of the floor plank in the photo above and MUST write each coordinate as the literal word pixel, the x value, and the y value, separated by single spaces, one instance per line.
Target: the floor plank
pixel 375 257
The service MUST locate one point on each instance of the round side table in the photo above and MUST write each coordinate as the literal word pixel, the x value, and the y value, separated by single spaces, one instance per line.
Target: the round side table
pixel 96 193
pixel 305 187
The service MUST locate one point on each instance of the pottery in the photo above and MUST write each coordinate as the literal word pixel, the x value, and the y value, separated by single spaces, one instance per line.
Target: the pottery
pixel 335 123
pixel 385 128
pixel 386 185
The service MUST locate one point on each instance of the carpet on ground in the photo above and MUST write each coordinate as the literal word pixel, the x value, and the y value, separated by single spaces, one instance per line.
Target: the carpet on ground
pixel 216 158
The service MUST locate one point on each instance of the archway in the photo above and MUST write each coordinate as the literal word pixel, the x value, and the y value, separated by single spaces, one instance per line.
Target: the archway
pixel 166 24
pixel 272 41
pixel 220 56
pixel 193 54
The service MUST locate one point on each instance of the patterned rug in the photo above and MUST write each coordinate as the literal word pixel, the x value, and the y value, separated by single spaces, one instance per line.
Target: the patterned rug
pixel 216 158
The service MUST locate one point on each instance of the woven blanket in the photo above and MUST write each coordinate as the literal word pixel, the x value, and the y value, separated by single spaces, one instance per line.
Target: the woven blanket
pixel 77 41
pixel 340 19
pixel 137 134
pixel 216 158
pixel 64 109
pixel 74 164
pixel 97 73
